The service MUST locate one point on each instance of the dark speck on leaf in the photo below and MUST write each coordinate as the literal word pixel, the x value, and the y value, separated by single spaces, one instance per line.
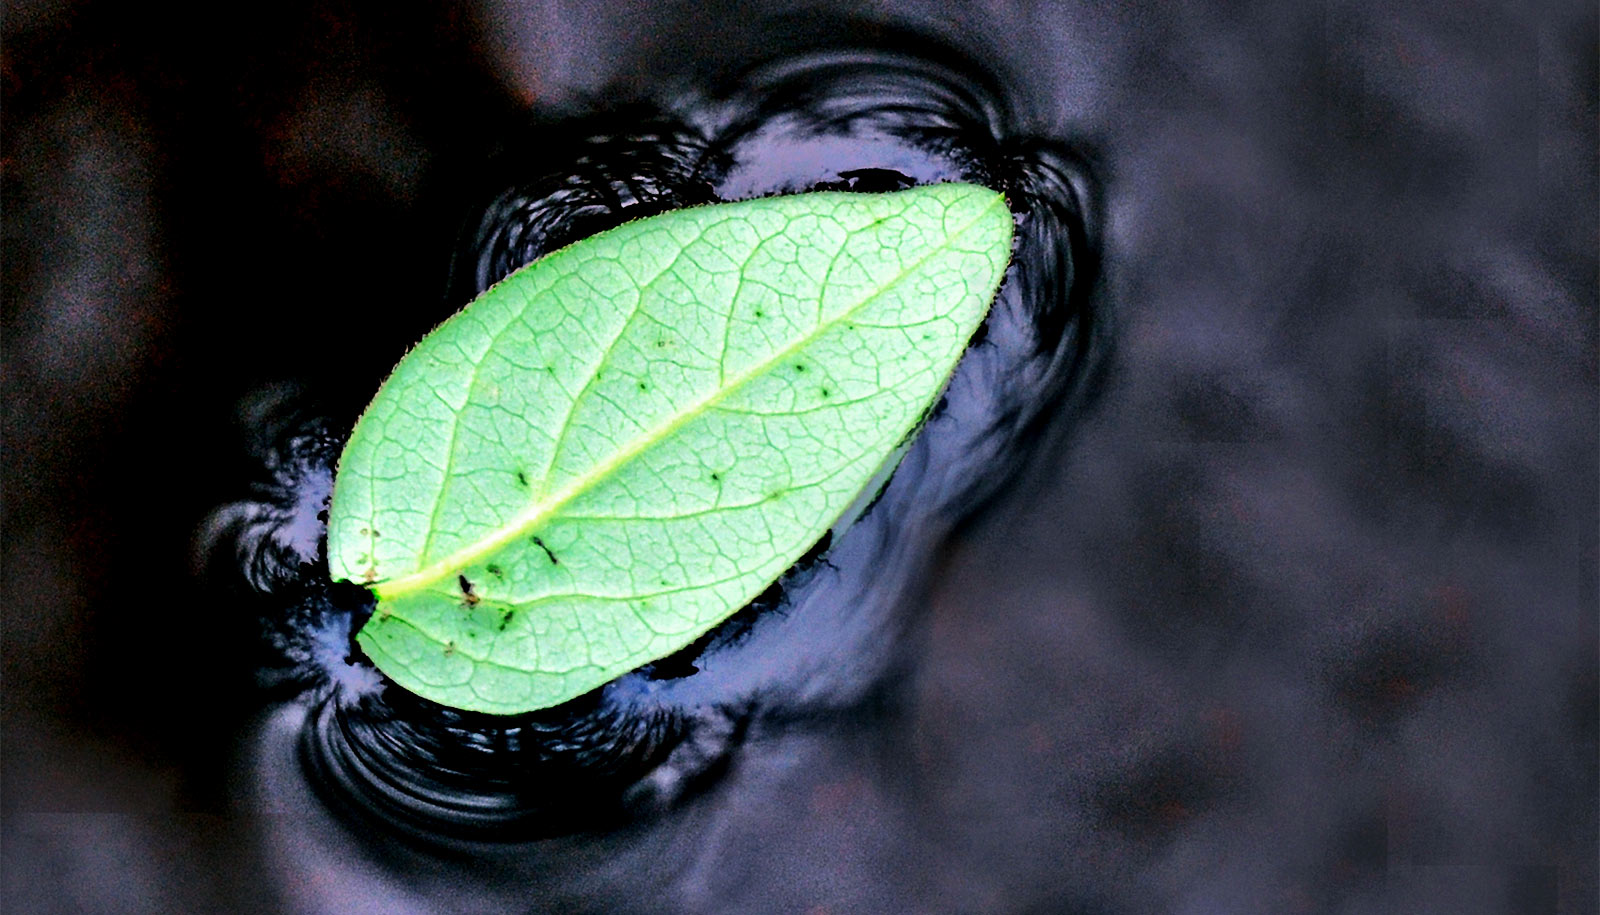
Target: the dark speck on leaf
pixel 522 478
pixel 505 619
pixel 494 570
pixel 540 544
pixel 716 477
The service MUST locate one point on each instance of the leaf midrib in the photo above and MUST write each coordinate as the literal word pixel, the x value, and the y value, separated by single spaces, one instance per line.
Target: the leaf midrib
pixel 541 511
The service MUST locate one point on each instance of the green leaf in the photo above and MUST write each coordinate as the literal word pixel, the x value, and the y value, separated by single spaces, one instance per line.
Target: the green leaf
pixel 624 442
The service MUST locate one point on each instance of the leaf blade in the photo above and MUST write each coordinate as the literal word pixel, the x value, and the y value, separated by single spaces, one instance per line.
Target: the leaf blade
pixel 632 437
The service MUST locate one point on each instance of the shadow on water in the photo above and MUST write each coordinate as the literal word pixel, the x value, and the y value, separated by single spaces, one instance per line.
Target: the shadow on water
pixel 820 652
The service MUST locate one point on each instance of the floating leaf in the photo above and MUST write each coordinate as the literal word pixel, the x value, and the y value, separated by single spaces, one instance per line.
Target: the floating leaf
pixel 624 442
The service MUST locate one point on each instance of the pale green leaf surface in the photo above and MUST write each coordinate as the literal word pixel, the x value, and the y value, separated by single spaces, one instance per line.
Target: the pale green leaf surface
pixel 626 441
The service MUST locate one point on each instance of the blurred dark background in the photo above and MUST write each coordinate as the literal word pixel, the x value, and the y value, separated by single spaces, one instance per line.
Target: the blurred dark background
pixel 1301 616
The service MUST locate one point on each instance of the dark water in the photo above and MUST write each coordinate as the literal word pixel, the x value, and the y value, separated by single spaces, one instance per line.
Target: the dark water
pixel 1248 565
